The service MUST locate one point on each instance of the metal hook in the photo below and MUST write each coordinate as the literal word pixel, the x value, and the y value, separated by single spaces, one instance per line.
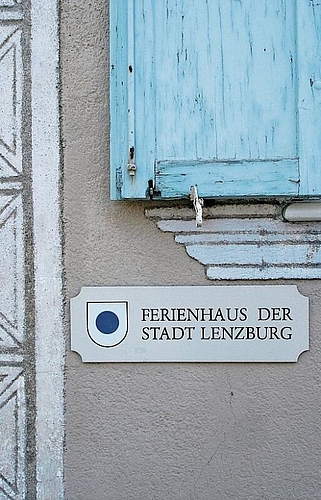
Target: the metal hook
pixel 197 204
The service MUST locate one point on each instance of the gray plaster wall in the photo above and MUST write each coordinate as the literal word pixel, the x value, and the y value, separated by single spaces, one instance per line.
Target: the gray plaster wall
pixel 164 431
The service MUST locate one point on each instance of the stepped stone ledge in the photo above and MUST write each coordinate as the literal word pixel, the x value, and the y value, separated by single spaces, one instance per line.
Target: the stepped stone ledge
pixel 245 242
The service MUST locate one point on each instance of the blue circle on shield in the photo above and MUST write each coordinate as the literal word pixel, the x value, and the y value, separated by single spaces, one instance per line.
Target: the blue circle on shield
pixel 107 322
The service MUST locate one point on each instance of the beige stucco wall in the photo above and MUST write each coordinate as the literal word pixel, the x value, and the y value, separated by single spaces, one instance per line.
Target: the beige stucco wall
pixel 164 431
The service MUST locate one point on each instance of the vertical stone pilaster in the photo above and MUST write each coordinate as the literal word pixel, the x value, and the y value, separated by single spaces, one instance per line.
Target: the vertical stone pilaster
pixel 12 261
pixel 29 125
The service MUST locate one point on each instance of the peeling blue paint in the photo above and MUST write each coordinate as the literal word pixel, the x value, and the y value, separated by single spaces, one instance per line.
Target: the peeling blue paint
pixel 216 82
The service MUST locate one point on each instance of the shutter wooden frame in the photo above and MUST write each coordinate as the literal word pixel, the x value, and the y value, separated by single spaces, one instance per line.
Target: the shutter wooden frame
pixel 134 136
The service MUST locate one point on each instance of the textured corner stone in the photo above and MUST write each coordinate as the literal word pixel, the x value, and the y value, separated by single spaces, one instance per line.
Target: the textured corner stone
pixel 11 98
pixel 11 271
pixel 12 431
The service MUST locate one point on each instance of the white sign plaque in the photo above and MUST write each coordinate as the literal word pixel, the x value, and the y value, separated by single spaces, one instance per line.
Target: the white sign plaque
pixel 190 324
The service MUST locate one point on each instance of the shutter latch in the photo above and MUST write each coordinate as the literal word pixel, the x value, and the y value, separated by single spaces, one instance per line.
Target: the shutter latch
pixel 197 204
pixel 131 166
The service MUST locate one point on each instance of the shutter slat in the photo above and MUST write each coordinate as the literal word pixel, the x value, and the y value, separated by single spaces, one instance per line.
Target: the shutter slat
pixel 309 95
pixel 224 179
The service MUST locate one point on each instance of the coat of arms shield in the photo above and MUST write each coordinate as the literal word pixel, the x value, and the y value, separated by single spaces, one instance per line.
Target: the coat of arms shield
pixel 107 322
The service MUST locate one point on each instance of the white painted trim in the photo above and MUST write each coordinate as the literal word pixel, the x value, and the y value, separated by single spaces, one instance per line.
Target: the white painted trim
pixel 48 252
pixel 5 358
pixel 303 211
pixel 11 185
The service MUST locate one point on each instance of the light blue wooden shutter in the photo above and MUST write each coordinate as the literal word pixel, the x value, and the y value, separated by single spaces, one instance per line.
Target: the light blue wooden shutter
pixel 225 94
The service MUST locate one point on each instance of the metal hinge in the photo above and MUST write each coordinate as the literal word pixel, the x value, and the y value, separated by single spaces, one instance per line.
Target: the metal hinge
pixel 150 189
